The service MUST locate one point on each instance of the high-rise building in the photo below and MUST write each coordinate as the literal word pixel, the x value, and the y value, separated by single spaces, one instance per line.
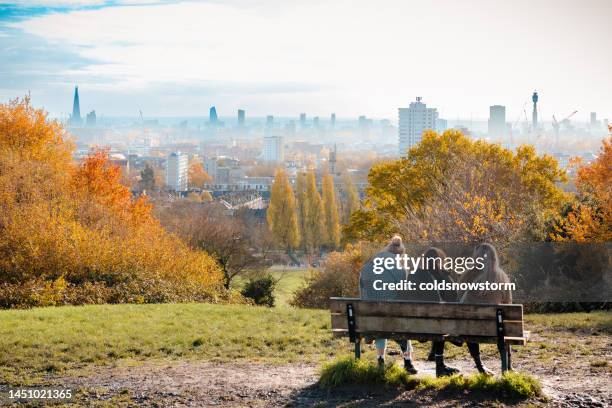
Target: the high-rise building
pixel 594 123
pixel 274 150
pixel 75 119
pixel 269 121
pixel 177 171
pixel 413 121
pixel 90 119
pixel 302 120
pixel 534 115
pixel 497 121
pixel 241 117
pixel 210 166
pixel 333 120
pixel 441 125
pixel 315 122
pixel 213 115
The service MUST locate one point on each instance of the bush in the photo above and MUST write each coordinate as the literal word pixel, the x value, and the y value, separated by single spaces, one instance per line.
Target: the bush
pixel 72 233
pixel 261 290
pixel 347 371
pixel 339 277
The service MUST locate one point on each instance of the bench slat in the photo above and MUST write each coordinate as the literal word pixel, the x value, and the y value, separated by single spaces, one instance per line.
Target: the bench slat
pixel 425 309
pixel 520 341
pixel 457 327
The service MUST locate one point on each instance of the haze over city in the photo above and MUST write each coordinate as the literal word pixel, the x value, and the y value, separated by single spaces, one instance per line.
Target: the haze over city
pixel 276 58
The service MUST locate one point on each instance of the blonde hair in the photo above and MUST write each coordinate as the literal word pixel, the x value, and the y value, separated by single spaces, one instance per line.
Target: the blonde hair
pixel 396 246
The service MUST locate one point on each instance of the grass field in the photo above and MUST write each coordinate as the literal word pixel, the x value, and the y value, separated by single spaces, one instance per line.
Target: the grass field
pixel 50 340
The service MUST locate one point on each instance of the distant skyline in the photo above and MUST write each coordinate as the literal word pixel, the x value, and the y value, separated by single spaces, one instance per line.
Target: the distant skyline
pixel 282 58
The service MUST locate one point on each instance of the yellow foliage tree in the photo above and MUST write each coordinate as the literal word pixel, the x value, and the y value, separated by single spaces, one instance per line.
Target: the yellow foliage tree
pixel 330 208
pixel 281 215
pixel 300 195
pixel 314 225
pixel 351 201
pixel 451 188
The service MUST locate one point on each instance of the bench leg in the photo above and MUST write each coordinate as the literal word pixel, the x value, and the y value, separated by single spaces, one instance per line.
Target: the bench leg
pixel 358 348
pixel 504 355
pixel 509 347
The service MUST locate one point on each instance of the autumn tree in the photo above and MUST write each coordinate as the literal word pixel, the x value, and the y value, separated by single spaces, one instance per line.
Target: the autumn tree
pixel 301 204
pixel 451 188
pixel 589 217
pixel 351 198
pixel 238 247
pixel 197 175
pixel 330 209
pixel 281 214
pixel 314 225
pixel 147 178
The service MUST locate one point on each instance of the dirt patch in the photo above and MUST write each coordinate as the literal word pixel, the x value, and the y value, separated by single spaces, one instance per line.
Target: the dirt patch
pixel 185 384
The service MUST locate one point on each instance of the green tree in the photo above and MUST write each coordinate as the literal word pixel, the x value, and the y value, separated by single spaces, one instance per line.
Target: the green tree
pixel 330 208
pixel 281 215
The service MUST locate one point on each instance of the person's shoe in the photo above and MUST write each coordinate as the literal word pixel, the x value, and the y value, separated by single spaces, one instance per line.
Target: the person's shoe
pixel 381 363
pixel 442 370
pixel 409 367
pixel 484 370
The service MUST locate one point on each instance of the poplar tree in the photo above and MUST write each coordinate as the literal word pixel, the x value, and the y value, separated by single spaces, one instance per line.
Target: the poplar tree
pixel 351 198
pixel 300 193
pixel 330 208
pixel 314 226
pixel 281 215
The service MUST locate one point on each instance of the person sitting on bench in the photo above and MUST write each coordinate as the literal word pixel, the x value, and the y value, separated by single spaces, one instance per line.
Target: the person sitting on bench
pixel 432 271
pixel 491 272
pixel 395 247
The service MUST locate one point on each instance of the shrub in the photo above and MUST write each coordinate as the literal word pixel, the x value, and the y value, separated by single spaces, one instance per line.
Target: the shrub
pixel 72 233
pixel 339 277
pixel 261 290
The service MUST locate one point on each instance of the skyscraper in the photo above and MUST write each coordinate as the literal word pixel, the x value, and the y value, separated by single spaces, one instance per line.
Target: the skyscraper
pixel 213 115
pixel 75 119
pixel 534 118
pixel 302 120
pixel 594 122
pixel 269 121
pixel 177 171
pixel 274 150
pixel 241 116
pixel 333 120
pixel 413 121
pixel 497 121
pixel 90 119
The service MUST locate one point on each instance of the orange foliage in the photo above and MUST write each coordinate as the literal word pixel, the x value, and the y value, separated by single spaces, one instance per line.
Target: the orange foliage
pixel 590 219
pixel 73 234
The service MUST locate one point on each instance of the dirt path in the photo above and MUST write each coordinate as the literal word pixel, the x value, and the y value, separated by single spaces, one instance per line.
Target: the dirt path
pixel 259 385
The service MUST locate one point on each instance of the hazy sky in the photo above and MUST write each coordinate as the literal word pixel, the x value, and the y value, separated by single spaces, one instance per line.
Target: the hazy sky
pixel 285 57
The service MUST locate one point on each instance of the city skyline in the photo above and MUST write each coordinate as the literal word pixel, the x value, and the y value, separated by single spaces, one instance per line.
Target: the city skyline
pixel 179 58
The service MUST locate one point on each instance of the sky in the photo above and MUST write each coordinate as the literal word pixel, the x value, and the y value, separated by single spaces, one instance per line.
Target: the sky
pixel 286 57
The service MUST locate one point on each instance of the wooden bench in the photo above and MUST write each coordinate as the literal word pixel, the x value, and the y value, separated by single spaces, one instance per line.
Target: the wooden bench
pixel 477 323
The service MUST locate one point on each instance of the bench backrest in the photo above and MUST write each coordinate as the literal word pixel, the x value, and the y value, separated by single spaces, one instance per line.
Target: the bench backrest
pixel 385 318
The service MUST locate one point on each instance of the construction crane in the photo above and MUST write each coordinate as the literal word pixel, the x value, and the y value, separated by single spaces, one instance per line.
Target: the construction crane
pixel 557 125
